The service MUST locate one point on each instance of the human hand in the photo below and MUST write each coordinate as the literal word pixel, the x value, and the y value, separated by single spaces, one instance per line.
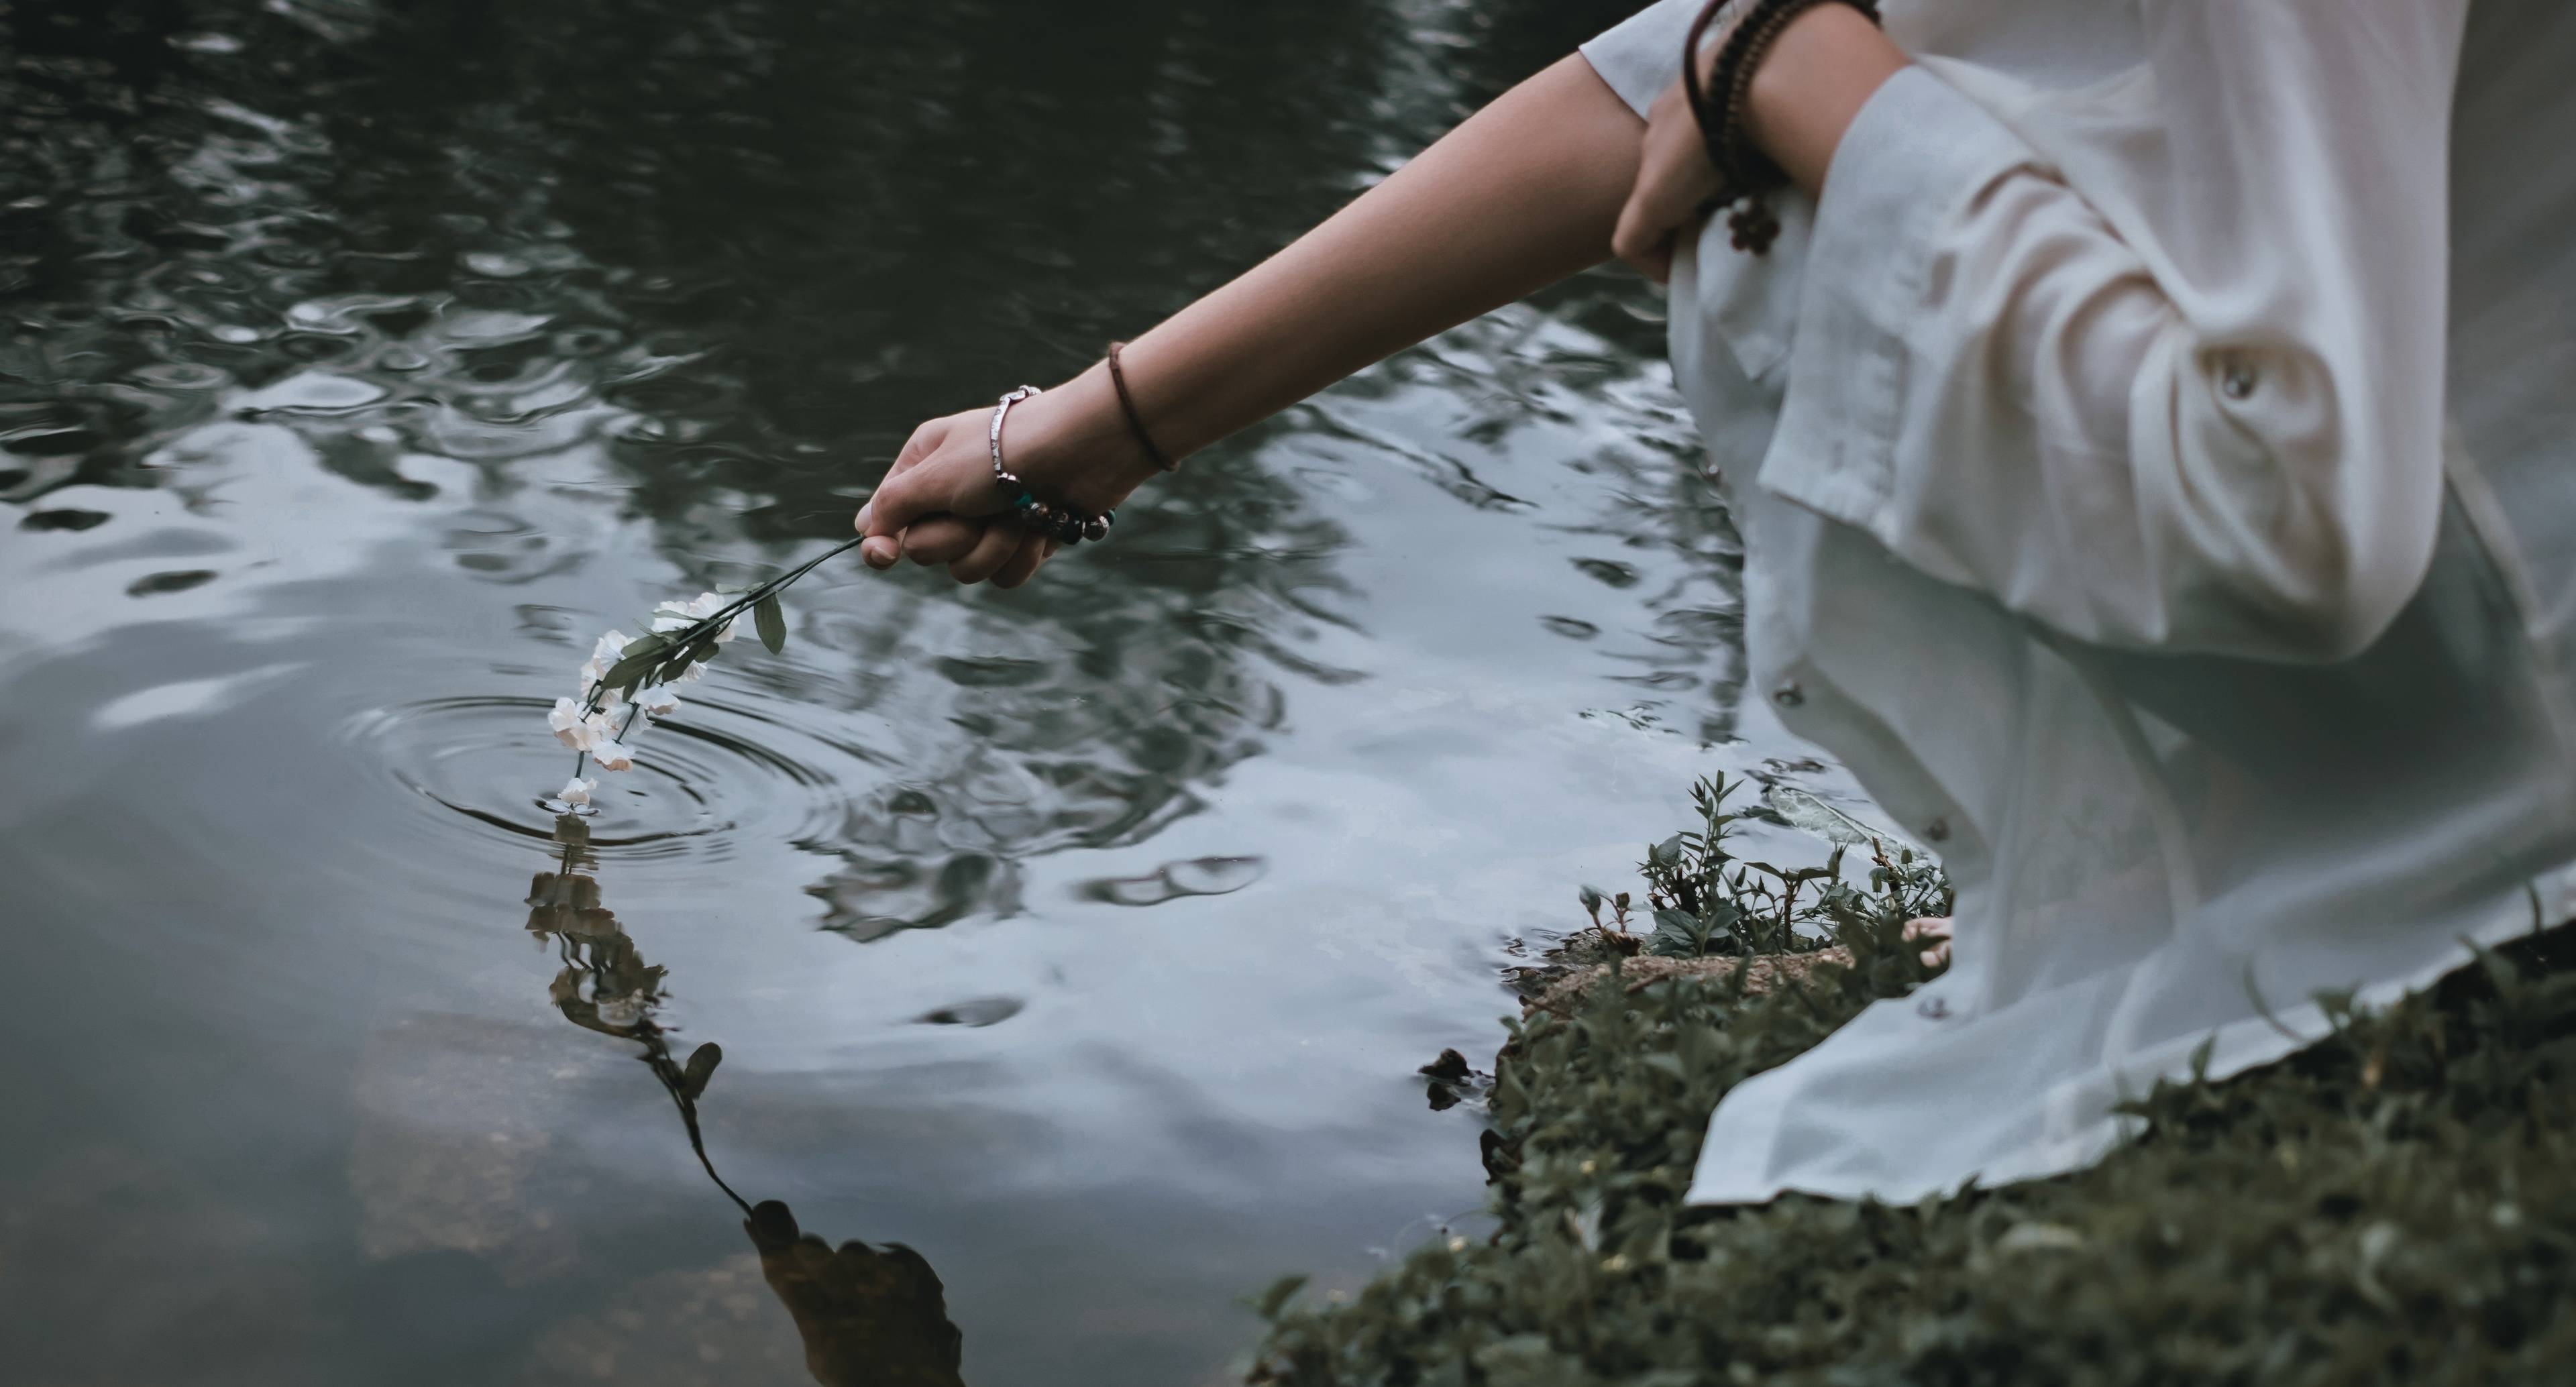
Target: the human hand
pixel 949 514
pixel 1810 85
pixel 939 505
pixel 968 547
pixel 1675 180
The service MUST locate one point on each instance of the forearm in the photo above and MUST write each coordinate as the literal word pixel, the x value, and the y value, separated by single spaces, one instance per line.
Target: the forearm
pixel 1521 195
pixel 1819 73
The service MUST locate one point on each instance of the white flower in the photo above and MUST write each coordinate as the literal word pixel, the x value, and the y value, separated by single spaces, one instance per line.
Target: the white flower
pixel 658 701
pixel 612 755
pixel 571 726
pixel 673 616
pixel 602 727
pixel 693 674
pixel 576 791
pixel 611 649
pixel 724 633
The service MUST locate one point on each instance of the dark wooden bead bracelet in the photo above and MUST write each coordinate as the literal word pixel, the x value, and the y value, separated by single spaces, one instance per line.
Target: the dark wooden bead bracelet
pixel 1745 175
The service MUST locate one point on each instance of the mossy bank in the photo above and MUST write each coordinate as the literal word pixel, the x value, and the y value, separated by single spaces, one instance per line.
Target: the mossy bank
pixel 2395 1204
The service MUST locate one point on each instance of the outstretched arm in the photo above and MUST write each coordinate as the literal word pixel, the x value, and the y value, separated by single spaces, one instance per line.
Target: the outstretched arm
pixel 1523 194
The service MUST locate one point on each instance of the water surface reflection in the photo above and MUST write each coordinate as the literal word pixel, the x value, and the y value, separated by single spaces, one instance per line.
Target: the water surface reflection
pixel 364 360
pixel 868 1317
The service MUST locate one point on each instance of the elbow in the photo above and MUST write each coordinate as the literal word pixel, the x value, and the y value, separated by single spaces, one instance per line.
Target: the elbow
pixel 2306 521
pixel 2320 593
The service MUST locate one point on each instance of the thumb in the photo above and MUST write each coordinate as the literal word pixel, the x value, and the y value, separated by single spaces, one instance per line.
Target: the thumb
pixel 875 551
pixel 895 505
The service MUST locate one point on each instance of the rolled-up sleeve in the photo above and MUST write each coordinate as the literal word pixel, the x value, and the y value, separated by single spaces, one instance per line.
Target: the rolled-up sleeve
pixel 1642 55
pixel 2179 390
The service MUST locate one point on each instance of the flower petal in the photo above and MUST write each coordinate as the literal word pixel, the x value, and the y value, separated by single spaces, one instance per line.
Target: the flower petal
pixel 570 727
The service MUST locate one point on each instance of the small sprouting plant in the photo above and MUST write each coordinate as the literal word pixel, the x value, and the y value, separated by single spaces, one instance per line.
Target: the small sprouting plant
pixel 1614 932
pixel 1706 900
pixel 628 679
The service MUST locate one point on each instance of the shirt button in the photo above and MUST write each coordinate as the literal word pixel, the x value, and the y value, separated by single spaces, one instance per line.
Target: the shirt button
pixel 1937 831
pixel 1789 695
pixel 2238 380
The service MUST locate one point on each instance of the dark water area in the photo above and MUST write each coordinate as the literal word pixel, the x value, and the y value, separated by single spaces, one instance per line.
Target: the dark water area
pixel 363 360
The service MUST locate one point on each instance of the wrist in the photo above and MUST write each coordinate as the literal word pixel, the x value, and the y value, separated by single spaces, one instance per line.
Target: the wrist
pixel 1072 444
pixel 1812 82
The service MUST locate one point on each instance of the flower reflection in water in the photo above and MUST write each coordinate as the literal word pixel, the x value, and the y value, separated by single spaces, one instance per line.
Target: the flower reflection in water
pixel 870 1317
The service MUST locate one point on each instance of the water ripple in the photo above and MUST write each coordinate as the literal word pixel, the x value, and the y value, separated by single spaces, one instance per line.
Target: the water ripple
pixel 712 776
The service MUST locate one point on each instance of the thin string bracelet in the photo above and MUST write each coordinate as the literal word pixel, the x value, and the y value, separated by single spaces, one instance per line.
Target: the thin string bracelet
pixel 1136 421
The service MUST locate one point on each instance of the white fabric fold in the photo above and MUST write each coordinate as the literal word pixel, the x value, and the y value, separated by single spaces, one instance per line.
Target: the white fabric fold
pixel 2088 442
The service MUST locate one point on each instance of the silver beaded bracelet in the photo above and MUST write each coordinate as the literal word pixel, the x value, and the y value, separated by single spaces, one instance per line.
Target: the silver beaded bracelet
pixel 1057 522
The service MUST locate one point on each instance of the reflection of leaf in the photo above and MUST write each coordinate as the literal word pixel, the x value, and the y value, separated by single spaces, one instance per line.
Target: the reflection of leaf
pixel 1804 810
pixel 701 1067
pixel 770 622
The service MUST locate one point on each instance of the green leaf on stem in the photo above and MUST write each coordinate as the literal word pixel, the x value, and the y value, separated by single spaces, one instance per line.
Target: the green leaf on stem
pixel 770 622
pixel 629 670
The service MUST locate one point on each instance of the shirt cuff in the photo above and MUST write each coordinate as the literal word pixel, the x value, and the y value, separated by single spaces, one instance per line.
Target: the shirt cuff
pixel 1910 162
pixel 1642 55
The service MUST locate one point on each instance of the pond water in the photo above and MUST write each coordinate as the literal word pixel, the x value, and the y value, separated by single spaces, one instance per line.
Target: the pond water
pixel 365 360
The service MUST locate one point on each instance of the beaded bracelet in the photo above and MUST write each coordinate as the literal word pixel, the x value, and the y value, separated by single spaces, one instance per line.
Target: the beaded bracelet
pixel 1057 522
pixel 1744 173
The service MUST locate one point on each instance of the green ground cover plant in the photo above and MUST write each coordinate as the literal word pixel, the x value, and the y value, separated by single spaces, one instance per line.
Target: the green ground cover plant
pixel 2396 1203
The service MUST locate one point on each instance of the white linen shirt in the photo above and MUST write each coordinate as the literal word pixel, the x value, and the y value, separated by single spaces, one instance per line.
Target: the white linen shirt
pixel 2155 454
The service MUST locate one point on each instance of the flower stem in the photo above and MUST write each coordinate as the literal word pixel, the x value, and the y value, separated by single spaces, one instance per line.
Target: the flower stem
pixel 708 626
